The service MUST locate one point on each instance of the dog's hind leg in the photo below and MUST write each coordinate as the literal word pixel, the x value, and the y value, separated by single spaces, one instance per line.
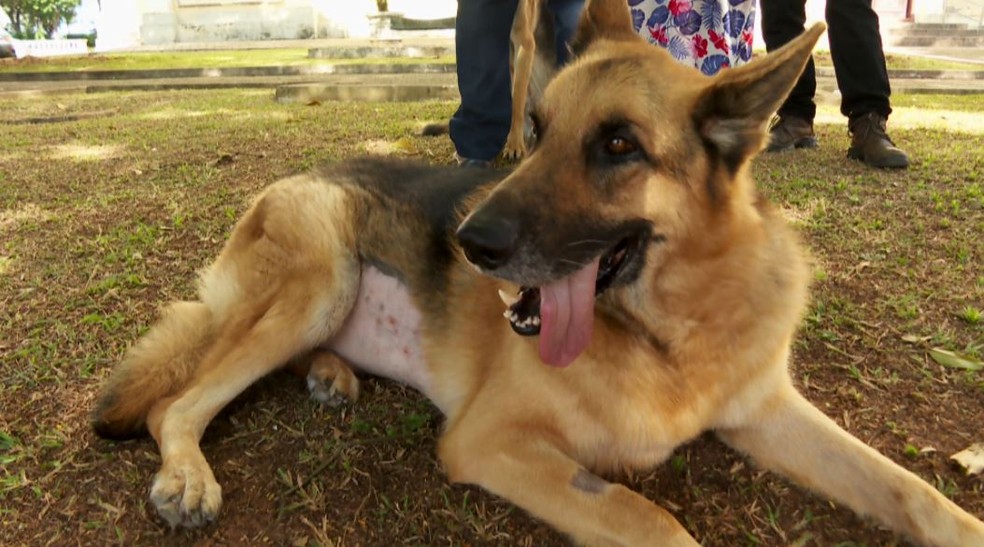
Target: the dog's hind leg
pixel 185 491
pixel 526 469
pixel 330 380
pixel 284 283
pixel 789 435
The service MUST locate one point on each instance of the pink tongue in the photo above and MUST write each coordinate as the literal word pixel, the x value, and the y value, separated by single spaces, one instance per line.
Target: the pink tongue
pixel 567 316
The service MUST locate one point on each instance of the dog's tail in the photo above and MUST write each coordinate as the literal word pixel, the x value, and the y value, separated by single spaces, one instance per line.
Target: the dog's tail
pixel 157 366
pixel 434 129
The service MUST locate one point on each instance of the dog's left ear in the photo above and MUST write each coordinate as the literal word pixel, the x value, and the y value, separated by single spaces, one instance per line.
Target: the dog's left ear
pixel 732 112
pixel 603 19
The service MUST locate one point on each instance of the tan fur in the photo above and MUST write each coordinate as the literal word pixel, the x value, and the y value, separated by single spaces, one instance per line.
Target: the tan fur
pixel 171 349
pixel 330 380
pixel 699 341
pixel 527 14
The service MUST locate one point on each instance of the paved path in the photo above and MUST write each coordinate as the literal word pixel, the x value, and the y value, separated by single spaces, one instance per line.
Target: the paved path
pixel 406 86
pixel 973 55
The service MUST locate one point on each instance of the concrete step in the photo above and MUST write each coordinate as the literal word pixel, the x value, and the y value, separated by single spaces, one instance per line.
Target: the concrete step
pixel 936 26
pixel 268 82
pixel 308 93
pixel 935 35
pixel 406 23
pixel 938 41
pixel 326 69
pixel 918 86
pixel 896 74
pixel 407 86
pixel 409 91
pixel 920 32
pixel 381 51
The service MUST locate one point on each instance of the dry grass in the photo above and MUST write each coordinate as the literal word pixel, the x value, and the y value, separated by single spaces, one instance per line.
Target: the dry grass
pixel 104 218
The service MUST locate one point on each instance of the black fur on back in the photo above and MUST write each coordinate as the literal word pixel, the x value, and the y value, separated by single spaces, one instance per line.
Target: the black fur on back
pixel 435 190
pixel 411 199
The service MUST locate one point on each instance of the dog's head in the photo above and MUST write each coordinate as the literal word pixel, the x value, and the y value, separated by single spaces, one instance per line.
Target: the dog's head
pixel 635 154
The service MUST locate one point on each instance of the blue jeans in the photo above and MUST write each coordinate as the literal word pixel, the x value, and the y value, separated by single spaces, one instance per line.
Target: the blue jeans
pixel 481 123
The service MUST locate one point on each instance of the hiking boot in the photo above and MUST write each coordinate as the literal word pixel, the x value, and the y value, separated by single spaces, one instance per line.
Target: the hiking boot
pixel 870 143
pixel 789 132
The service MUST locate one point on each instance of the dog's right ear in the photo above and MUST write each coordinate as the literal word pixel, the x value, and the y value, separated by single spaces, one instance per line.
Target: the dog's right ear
pixel 732 112
pixel 603 19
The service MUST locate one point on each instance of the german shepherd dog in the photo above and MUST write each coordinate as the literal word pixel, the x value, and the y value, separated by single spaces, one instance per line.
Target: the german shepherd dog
pixel 633 255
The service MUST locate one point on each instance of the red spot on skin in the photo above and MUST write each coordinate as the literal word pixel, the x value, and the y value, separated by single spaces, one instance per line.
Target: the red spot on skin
pixel 406 351
pixel 392 320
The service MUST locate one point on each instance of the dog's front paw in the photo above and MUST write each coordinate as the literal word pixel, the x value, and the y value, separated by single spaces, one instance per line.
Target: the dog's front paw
pixel 515 147
pixel 187 494
pixel 330 381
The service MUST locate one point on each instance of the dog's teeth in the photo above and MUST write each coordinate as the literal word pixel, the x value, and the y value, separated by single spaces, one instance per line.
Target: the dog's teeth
pixel 536 320
pixel 507 298
pixel 507 314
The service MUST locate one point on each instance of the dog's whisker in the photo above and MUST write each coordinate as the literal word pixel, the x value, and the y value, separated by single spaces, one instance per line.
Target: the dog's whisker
pixel 586 242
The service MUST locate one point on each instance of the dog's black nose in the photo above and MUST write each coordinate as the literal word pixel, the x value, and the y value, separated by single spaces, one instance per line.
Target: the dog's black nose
pixel 489 240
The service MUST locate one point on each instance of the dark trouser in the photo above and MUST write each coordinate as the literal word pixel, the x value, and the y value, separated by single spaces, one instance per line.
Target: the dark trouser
pixel 855 47
pixel 481 124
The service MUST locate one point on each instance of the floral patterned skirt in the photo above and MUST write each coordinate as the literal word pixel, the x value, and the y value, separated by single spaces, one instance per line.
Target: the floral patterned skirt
pixel 706 34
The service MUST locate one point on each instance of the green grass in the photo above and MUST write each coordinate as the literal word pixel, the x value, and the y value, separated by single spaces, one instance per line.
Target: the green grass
pixel 195 59
pixel 104 219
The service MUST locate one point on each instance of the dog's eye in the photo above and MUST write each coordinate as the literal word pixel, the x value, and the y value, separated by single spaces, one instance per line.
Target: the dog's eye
pixel 614 143
pixel 619 146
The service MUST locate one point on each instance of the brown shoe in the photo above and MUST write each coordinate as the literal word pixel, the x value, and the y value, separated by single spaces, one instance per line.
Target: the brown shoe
pixel 870 143
pixel 789 132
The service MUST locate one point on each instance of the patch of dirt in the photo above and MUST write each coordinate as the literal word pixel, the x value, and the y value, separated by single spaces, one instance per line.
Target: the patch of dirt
pixel 100 244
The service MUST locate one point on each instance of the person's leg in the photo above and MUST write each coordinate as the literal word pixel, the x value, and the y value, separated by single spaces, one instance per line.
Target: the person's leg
pixel 783 20
pixel 481 123
pixel 566 14
pixel 859 62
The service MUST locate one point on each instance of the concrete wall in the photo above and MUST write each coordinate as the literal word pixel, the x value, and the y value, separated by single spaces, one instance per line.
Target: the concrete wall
pixel 181 21
pixel 128 23
pixel 964 12
pixel 118 25
pixel 890 14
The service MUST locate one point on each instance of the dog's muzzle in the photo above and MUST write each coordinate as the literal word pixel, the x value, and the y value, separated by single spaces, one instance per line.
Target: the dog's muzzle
pixel 489 241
